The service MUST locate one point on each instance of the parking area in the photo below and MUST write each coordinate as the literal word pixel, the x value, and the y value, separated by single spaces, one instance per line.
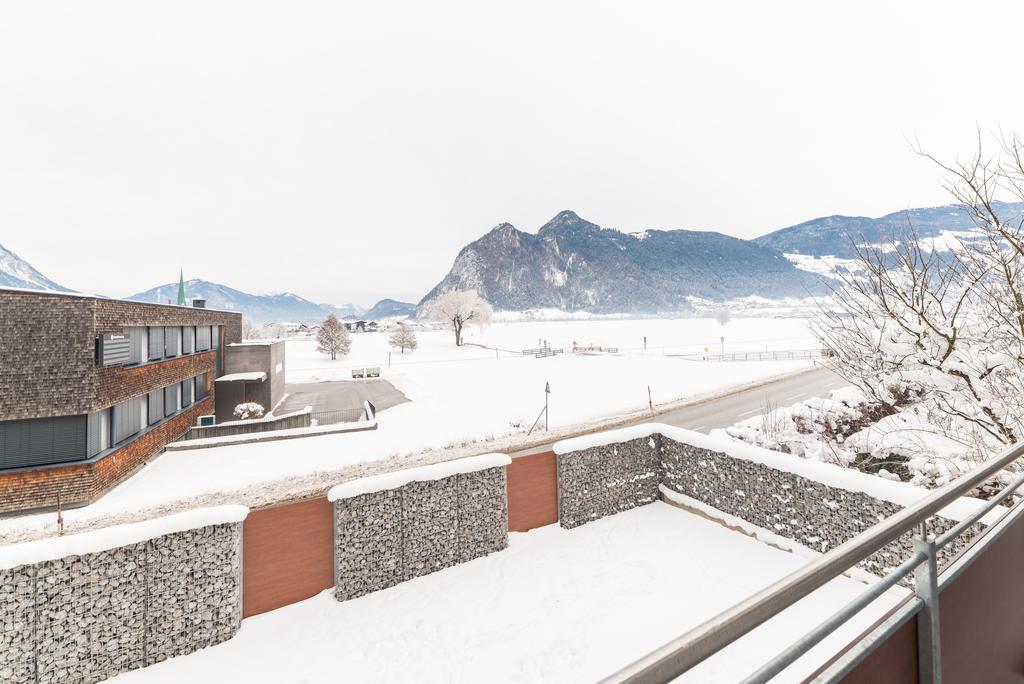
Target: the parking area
pixel 345 395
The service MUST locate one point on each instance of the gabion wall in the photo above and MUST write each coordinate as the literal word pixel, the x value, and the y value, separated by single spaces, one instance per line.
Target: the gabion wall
pixel 603 480
pixel 607 479
pixel 387 537
pixel 82 619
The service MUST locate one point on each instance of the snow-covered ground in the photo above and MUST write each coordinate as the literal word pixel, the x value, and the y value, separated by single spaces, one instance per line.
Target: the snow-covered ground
pixel 464 400
pixel 556 606
pixel 663 337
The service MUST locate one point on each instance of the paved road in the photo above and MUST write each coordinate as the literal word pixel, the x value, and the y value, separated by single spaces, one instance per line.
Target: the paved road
pixel 719 413
pixel 342 395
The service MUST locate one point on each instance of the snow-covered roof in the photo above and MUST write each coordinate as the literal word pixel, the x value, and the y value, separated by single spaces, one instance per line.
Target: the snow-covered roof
pixel 252 376
pixel 436 471
pixel 901 493
pixel 40 550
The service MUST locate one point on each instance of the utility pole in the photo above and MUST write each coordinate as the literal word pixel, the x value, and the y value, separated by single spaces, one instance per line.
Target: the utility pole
pixel 547 391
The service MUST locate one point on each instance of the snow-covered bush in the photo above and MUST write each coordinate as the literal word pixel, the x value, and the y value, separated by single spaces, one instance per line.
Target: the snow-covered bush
pixel 853 431
pixel 249 410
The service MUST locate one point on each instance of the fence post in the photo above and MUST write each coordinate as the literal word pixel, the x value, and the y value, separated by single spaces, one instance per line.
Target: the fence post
pixel 926 586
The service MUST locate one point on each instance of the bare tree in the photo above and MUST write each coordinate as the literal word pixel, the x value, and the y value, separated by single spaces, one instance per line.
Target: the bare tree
pixel 912 323
pixel 250 331
pixel 459 308
pixel 723 316
pixel 403 337
pixel 332 338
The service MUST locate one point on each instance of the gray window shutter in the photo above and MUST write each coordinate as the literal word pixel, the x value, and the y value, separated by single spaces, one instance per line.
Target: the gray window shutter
pixel 42 441
pixel 156 343
pixel 156 406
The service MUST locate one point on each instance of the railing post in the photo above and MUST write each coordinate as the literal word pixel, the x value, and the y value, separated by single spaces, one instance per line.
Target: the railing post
pixel 926 586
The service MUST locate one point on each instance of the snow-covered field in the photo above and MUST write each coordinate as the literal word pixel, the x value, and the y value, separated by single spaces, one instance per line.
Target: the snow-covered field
pixel 663 337
pixel 460 395
pixel 556 606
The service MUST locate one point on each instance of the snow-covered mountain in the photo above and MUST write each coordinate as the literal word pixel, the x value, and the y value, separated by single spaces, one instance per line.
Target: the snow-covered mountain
pixel 346 310
pixel 258 308
pixel 390 308
pixel 835 235
pixel 16 272
pixel 574 265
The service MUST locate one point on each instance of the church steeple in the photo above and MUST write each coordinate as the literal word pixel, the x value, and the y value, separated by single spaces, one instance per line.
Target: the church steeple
pixel 181 288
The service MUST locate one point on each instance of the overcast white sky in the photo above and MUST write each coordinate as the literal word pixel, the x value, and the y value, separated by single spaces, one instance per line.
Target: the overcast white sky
pixel 347 151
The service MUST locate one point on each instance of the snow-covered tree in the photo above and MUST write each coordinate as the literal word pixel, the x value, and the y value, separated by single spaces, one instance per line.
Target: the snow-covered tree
pixel 250 331
pixel 723 316
pixel 249 410
pixel 459 308
pixel 943 330
pixel 403 337
pixel 332 338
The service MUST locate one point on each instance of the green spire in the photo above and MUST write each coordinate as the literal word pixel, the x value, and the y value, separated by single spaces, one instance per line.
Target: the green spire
pixel 181 288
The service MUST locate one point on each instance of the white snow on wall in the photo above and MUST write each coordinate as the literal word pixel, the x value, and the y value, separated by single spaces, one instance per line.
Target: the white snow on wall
pixel 826 473
pixel 107 538
pixel 436 471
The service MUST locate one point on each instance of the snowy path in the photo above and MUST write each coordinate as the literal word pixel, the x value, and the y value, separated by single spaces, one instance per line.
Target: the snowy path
pixel 557 606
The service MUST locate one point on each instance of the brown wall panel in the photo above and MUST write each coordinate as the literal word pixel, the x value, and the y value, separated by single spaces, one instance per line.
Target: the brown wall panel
pixel 982 620
pixel 532 492
pixel 982 615
pixel 893 662
pixel 287 555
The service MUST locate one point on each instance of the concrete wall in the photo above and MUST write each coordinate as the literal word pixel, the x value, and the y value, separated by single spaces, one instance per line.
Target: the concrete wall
pixel 386 537
pixel 88 617
pixel 295 420
pixel 268 358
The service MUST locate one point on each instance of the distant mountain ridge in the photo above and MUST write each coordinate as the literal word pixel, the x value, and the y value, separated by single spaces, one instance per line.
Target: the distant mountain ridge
pixel 575 265
pixel 257 308
pixel 835 235
pixel 16 272
pixel 272 308
pixel 390 308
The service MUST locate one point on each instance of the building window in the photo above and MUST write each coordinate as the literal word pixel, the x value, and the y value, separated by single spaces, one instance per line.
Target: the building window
pixel 215 336
pixel 171 399
pixel 156 406
pixel 41 441
pixel 202 338
pixel 188 339
pixel 156 343
pixel 201 386
pixel 128 419
pixel 139 340
pixel 172 342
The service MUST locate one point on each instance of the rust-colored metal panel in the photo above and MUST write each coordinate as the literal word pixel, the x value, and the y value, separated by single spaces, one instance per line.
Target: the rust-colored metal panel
pixel 982 623
pixel 894 661
pixel 532 492
pixel 287 555
pixel 982 614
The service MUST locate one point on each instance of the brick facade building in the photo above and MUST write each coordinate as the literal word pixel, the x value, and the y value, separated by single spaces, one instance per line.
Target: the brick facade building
pixel 91 389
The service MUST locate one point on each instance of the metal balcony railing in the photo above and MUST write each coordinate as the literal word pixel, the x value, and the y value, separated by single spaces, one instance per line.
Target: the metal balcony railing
pixel 686 651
